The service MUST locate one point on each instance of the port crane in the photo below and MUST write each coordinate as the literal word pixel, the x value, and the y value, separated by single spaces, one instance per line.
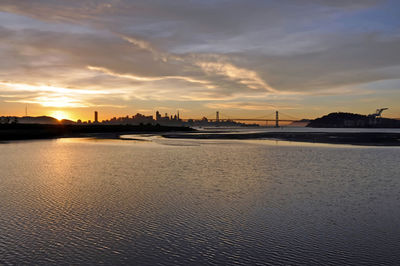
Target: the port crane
pixel 378 113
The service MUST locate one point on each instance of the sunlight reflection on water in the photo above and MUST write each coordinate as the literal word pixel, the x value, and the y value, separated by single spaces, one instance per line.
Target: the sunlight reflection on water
pixel 176 202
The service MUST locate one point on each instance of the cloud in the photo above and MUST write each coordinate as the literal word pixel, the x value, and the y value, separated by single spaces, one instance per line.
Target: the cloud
pixel 204 51
pixel 254 106
pixel 363 58
pixel 50 96
pixel 146 46
pixel 242 75
pixel 130 76
pixel 343 3
pixel 58 101
pixel 48 89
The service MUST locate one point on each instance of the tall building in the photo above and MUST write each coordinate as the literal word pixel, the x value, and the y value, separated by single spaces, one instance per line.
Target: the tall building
pixel 158 116
pixel 96 117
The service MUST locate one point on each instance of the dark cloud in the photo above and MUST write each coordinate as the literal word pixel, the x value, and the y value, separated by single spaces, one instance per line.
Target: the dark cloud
pixel 342 3
pixel 200 50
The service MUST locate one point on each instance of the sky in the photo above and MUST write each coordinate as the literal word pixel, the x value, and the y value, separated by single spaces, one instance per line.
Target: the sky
pixel 244 58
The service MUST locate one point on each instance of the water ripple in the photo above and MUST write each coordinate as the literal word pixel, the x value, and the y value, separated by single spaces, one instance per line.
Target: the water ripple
pixel 207 203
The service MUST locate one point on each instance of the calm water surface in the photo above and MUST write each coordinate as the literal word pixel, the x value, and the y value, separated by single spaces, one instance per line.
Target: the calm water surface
pixel 180 202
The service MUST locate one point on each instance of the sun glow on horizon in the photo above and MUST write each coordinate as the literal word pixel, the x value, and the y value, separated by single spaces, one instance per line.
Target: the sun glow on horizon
pixel 60 115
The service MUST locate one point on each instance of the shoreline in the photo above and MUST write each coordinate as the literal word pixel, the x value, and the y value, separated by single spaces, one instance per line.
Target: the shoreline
pixel 12 132
pixel 352 138
pixel 39 131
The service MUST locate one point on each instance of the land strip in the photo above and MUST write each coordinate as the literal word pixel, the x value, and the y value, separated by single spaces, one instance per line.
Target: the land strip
pixel 41 131
pixel 355 138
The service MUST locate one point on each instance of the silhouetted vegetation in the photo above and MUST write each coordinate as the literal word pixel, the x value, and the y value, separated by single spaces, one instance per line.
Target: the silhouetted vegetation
pixel 350 120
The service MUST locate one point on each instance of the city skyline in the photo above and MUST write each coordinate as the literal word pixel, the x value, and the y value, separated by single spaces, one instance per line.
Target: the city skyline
pixel 307 58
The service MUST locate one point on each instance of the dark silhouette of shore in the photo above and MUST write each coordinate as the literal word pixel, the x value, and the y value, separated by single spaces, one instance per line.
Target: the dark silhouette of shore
pixel 350 120
pixel 41 131
pixel 354 138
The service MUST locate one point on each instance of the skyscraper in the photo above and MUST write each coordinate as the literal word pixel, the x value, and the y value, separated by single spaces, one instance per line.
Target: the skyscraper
pixel 96 117
pixel 158 116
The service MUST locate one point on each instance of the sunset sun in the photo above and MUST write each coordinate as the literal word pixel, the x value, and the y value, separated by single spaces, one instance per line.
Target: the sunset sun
pixel 59 115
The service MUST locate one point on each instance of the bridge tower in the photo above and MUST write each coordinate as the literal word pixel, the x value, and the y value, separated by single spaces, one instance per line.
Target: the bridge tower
pixel 276 119
pixel 217 117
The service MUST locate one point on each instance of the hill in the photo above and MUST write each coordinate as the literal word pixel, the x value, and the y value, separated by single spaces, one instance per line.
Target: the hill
pixel 38 120
pixel 350 120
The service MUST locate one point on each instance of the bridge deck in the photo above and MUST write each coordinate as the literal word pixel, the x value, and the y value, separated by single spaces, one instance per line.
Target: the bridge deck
pixel 254 119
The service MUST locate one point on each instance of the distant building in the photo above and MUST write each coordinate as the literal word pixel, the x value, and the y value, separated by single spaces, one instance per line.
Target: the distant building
pixel 166 119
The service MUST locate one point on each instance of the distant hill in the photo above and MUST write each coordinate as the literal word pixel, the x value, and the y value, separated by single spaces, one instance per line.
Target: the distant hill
pixel 350 120
pixel 47 120
pixel 38 120
pixel 67 122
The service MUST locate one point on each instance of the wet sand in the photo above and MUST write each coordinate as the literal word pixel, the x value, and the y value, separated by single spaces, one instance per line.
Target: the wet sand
pixel 354 138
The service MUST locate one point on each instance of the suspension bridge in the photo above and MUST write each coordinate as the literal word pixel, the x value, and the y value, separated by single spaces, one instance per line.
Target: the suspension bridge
pixel 276 117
